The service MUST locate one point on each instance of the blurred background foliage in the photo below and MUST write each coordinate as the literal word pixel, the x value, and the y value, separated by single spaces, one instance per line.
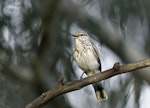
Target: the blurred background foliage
pixel 36 47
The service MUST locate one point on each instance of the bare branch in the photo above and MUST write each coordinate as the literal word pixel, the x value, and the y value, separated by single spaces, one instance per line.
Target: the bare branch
pixel 78 84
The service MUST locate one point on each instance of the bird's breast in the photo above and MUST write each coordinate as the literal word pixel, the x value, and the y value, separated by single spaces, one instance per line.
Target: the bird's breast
pixel 86 59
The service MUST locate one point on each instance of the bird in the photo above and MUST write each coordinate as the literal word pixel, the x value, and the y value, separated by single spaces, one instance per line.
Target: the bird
pixel 87 58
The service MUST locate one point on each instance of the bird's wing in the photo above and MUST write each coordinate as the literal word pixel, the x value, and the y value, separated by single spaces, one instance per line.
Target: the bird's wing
pixel 96 54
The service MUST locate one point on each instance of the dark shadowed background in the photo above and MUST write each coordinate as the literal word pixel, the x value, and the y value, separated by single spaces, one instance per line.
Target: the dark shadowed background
pixel 36 48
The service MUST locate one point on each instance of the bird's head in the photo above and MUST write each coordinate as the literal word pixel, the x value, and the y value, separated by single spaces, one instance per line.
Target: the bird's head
pixel 81 36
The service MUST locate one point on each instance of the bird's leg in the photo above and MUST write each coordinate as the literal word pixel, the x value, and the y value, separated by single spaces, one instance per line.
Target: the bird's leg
pixel 82 75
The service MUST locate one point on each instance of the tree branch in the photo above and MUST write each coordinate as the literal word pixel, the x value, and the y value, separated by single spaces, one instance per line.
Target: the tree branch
pixel 63 88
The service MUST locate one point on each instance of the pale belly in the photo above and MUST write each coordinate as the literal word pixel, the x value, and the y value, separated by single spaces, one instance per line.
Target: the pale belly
pixel 87 61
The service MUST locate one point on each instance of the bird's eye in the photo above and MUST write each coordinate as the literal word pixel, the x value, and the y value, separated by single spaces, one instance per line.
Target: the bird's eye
pixel 82 35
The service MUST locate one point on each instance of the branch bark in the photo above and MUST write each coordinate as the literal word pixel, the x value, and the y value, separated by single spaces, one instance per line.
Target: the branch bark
pixel 62 88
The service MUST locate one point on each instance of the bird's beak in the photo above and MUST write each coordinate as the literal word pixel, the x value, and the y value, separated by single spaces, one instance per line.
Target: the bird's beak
pixel 75 36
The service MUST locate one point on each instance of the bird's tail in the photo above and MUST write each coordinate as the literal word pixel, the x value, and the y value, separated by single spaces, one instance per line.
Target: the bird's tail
pixel 100 92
